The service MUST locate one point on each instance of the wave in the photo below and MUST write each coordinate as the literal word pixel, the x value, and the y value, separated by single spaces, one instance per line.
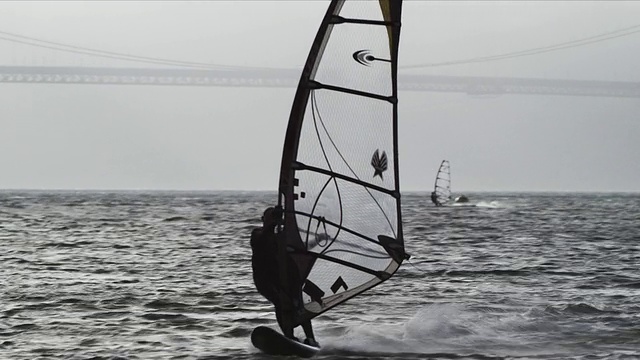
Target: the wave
pixel 166 304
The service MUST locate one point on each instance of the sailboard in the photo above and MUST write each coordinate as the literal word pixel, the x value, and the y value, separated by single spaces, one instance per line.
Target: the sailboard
pixel 274 343
pixel 442 185
pixel 339 179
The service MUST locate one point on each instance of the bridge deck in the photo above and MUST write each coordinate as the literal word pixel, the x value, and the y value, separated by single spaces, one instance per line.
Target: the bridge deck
pixel 289 78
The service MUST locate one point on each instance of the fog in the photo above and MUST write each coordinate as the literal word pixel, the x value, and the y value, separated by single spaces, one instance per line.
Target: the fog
pixel 55 136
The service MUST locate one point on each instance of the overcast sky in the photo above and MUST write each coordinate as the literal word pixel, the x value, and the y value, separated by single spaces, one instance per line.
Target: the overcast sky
pixel 221 138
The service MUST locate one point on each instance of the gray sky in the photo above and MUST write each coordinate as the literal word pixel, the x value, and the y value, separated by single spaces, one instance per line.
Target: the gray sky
pixel 145 137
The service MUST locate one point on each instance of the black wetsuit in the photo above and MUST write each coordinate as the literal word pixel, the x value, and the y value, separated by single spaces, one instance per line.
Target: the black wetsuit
pixel 266 277
pixel 434 198
pixel 265 264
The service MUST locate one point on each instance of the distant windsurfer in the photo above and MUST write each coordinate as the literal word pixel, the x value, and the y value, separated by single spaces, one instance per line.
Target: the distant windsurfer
pixel 265 266
pixel 434 199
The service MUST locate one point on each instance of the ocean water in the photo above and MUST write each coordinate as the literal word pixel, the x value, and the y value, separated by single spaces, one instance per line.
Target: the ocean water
pixel 167 275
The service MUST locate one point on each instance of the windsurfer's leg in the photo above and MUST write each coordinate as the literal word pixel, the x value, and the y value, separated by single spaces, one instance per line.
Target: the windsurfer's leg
pixel 308 329
pixel 308 332
pixel 281 317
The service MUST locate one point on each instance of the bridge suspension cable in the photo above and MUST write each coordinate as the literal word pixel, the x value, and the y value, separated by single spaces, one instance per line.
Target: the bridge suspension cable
pixel 31 41
pixel 535 51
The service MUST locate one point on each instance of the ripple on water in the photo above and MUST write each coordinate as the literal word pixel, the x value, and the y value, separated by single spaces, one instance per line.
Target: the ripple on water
pixel 137 275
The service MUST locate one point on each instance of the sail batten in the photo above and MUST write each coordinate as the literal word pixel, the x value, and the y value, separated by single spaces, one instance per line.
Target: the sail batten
pixel 378 274
pixel 338 226
pixel 301 166
pixel 339 180
pixel 341 20
pixel 315 85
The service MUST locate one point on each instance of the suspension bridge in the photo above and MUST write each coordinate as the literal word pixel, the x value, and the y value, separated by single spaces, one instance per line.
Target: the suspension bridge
pixel 289 78
pixel 181 73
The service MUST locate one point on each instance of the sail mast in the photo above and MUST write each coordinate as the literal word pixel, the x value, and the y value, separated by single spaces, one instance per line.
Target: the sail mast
pixel 291 142
pixel 288 235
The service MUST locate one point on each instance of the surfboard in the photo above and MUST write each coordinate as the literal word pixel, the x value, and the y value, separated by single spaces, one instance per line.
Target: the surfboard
pixel 339 186
pixel 272 342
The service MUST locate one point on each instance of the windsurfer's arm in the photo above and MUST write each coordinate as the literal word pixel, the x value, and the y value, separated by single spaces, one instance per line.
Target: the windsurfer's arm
pixel 255 236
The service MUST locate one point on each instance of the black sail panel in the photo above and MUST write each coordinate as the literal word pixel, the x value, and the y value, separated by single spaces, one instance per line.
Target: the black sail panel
pixel 339 181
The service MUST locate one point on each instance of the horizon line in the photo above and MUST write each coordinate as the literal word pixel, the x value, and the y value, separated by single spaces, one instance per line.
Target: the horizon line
pixel 275 191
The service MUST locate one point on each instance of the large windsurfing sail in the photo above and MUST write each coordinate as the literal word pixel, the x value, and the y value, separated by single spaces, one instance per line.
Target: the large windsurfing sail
pixel 442 186
pixel 339 183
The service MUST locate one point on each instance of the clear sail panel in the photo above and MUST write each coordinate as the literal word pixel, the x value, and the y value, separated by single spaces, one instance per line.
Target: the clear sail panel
pixel 349 135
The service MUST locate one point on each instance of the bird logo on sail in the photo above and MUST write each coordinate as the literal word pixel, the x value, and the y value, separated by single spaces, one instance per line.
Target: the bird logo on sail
pixel 379 163
pixel 364 57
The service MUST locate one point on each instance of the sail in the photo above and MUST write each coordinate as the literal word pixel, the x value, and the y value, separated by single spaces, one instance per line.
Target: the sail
pixel 442 186
pixel 339 183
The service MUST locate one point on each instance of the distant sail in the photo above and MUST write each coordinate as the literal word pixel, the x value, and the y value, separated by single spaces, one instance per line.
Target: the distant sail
pixel 339 183
pixel 442 186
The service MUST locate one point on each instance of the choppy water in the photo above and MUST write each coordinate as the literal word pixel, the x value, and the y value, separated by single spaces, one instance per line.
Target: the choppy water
pixel 134 275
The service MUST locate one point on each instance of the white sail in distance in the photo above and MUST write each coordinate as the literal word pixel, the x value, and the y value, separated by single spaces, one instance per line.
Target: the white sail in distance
pixel 442 185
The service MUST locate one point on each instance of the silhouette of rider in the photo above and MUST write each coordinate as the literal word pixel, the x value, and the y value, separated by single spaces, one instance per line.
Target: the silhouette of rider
pixel 266 277
pixel 434 199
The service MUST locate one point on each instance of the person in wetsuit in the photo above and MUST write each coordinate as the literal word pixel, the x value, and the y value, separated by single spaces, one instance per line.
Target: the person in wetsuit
pixel 266 276
pixel 434 198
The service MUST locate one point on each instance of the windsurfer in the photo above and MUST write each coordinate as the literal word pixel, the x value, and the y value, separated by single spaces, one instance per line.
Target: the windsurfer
pixel 434 198
pixel 265 266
